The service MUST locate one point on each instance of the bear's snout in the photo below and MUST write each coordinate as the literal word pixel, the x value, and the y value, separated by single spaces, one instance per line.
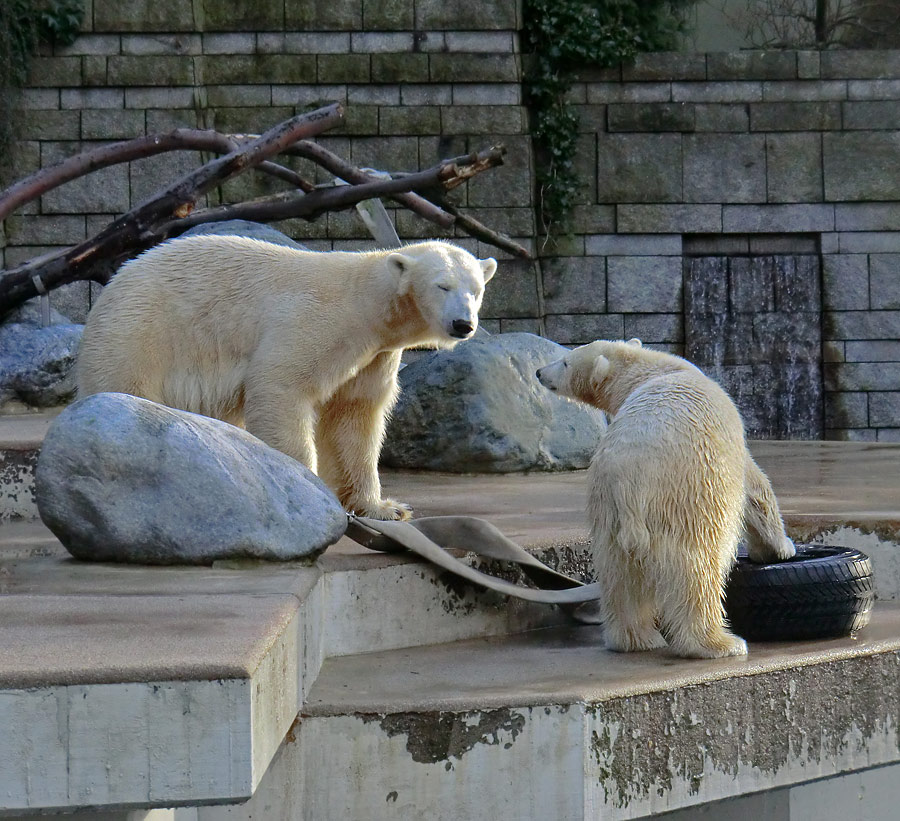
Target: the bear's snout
pixel 545 382
pixel 462 328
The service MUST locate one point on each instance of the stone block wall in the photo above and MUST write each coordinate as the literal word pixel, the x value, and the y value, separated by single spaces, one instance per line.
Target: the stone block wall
pixel 420 81
pixel 744 155
pixel 681 155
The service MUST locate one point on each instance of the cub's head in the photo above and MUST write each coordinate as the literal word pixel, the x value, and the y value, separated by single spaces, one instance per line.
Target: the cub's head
pixel 447 285
pixel 581 373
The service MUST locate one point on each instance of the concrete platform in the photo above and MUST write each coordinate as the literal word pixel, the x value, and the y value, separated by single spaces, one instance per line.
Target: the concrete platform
pixel 550 725
pixel 125 687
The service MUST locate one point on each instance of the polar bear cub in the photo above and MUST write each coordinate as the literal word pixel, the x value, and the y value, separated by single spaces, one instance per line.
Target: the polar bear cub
pixel 672 486
pixel 301 348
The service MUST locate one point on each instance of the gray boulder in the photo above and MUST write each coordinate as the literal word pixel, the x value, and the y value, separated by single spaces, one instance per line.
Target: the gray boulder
pixel 36 363
pixel 479 408
pixel 244 228
pixel 123 479
pixel 29 313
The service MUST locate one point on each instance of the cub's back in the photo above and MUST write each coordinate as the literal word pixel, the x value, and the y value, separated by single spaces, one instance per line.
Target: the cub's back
pixel 673 409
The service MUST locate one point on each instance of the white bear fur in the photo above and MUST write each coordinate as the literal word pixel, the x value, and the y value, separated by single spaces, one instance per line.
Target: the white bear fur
pixel 302 348
pixel 672 487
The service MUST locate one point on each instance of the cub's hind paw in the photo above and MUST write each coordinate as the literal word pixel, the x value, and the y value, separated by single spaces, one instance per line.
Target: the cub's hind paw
pixel 632 641
pixel 717 648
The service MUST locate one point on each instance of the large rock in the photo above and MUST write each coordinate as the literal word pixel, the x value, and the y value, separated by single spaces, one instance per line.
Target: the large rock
pixel 120 478
pixel 36 362
pixel 480 408
pixel 244 228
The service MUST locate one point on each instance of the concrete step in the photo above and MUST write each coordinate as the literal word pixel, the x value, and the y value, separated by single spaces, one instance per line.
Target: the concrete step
pixel 179 684
pixel 549 724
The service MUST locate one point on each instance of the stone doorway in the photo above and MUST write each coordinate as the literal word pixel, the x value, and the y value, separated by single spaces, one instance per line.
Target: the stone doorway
pixel 754 323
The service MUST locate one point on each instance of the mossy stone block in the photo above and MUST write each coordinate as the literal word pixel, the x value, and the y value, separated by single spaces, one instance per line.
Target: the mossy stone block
pixel 423 119
pixel 48 125
pixel 461 15
pixel 399 68
pixel 260 15
pixel 475 68
pixel 249 120
pixel 335 15
pixel 482 119
pixel 144 15
pixel 259 69
pixel 343 68
pixel 156 70
pixel 388 15
pixel 48 72
pixel 359 119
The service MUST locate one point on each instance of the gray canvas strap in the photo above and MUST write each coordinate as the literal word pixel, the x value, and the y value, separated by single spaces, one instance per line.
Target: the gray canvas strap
pixel 432 537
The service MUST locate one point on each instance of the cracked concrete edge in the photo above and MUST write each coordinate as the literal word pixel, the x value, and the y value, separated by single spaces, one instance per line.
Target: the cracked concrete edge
pixel 414 604
pixel 627 758
pixel 145 744
pixel 883 550
pixel 17 484
pixel 341 612
pixel 820 529
pixel 666 750
pixel 126 745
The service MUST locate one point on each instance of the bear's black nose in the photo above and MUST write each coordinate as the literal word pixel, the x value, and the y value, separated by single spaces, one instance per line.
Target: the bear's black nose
pixel 537 373
pixel 462 327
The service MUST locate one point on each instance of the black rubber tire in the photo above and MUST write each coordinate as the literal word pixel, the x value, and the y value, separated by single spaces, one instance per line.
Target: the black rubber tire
pixel 822 592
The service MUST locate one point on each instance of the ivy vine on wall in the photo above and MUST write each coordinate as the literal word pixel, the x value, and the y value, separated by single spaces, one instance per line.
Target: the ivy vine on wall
pixel 24 25
pixel 561 37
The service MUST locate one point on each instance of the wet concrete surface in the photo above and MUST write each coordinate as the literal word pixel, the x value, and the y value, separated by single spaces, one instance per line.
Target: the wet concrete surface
pixel 558 665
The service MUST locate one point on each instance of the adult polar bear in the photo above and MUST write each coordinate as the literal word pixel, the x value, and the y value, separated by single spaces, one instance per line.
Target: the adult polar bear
pixel 671 488
pixel 302 348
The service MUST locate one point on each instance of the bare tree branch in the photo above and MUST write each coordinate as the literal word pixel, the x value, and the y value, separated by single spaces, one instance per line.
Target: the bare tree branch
pixel 170 212
pixel 178 200
pixel 446 174
pixel 290 205
pixel 181 139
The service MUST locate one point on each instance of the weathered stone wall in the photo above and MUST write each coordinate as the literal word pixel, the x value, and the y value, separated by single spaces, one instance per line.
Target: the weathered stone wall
pixel 682 155
pixel 745 154
pixel 421 81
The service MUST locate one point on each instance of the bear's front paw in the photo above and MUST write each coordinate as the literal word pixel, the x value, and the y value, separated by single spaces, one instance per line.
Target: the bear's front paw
pixel 720 645
pixel 387 510
pixel 776 549
pixel 786 549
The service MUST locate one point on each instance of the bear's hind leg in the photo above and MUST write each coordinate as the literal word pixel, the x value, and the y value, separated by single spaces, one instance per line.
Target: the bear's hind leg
pixel 628 606
pixel 693 615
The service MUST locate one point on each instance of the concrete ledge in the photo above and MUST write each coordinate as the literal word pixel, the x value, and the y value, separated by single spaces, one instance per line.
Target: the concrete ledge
pixel 550 725
pixel 125 686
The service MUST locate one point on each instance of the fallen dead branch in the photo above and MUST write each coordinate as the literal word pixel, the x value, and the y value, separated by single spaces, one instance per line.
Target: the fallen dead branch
pixel 171 212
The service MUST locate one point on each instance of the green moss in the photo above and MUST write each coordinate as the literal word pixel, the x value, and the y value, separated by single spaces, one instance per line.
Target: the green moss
pixel 23 25
pixel 565 36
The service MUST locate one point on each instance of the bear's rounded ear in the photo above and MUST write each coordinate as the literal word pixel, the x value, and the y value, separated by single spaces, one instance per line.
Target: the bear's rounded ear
pixel 488 268
pixel 400 265
pixel 635 341
pixel 599 371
